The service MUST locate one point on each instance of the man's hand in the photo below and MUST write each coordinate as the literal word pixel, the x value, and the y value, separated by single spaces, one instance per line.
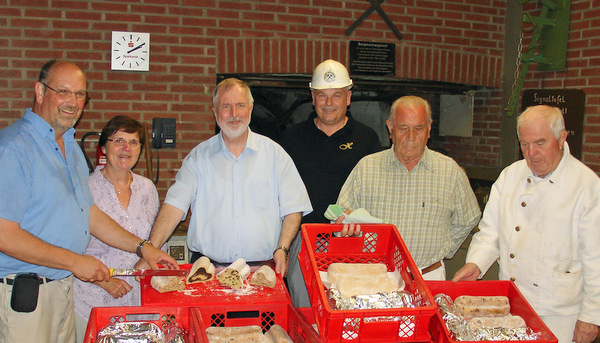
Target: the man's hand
pixel 585 332
pixel 349 230
pixel 89 268
pixel 115 287
pixel 469 272
pixel 281 262
pixel 154 256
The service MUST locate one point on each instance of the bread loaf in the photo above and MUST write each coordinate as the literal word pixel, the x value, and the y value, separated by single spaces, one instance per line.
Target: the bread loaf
pixel 278 335
pixel 264 276
pixel 167 283
pixel 202 270
pixel 482 306
pixel 353 286
pixel 236 334
pixel 336 271
pixel 509 322
pixel 234 275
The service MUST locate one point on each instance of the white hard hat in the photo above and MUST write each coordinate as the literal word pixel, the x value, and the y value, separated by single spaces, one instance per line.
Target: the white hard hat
pixel 330 74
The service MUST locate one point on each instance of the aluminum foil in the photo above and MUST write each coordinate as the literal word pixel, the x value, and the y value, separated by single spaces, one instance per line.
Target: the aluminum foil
pixel 457 325
pixel 174 332
pixel 139 332
pixel 399 299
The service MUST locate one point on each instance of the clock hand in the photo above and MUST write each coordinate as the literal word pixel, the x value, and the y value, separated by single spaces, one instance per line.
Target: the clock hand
pixel 137 47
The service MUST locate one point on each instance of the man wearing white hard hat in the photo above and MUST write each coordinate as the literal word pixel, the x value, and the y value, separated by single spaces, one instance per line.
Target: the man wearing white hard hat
pixel 325 148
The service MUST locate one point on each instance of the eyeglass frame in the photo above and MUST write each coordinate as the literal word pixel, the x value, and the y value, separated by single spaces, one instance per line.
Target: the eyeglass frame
pixel 136 145
pixel 64 93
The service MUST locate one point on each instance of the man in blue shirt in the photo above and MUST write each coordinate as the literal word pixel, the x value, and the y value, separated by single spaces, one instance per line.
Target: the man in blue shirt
pixel 245 194
pixel 47 213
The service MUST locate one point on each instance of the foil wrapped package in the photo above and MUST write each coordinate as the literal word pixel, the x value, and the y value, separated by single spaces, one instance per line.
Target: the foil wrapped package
pixel 139 332
pixel 399 299
pixel 174 333
pixel 458 327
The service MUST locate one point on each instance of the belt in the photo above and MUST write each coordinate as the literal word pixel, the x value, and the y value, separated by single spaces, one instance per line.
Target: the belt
pixel 11 281
pixel 431 267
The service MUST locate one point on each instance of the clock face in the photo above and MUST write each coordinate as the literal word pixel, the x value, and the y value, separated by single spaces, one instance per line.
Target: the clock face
pixel 130 51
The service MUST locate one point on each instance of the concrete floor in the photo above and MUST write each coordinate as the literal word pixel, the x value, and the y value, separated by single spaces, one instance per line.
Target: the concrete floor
pixel 454 264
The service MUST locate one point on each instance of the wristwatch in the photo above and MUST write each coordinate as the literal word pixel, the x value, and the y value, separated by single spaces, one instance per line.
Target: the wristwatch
pixel 284 248
pixel 138 250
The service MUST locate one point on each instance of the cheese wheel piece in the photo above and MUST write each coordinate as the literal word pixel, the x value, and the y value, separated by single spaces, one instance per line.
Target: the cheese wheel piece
pixel 278 335
pixel 234 275
pixel 482 306
pixel 337 271
pixel 202 271
pixel 264 276
pixel 167 283
pixel 353 286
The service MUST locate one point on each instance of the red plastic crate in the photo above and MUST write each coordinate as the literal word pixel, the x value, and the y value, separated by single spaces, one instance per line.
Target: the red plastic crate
pixel 518 306
pixel 379 243
pixel 298 327
pixel 189 318
pixel 213 293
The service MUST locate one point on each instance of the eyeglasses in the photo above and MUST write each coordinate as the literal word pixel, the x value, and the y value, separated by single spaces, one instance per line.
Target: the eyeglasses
pixel 134 143
pixel 64 94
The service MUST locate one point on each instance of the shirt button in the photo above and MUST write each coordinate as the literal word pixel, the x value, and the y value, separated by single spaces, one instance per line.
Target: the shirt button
pixel 551 181
pixel 512 255
pixel 517 228
pixel 528 180
pixel 535 284
pixel 512 279
pixel 523 204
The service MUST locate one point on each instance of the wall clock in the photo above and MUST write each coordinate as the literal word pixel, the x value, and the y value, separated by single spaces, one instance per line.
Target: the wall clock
pixel 130 51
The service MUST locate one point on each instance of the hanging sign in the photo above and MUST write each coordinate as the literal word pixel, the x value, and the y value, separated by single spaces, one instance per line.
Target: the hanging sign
pixel 372 58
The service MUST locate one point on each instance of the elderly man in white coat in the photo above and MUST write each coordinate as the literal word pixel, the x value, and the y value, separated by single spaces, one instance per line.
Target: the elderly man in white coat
pixel 541 223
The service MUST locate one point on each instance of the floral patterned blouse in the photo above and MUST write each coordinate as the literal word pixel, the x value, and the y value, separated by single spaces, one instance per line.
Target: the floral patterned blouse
pixel 137 219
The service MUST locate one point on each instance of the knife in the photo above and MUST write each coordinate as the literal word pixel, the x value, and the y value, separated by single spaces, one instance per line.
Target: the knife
pixel 148 272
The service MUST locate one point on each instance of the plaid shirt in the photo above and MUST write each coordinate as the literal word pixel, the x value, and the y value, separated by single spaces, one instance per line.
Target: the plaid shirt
pixel 432 205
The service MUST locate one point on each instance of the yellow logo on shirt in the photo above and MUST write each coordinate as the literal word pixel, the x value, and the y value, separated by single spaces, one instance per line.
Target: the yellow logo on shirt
pixel 346 146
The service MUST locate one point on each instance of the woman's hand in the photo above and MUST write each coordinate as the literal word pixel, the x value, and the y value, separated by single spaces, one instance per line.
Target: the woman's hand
pixel 115 287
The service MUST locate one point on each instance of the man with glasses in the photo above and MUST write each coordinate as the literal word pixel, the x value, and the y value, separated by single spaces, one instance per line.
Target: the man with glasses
pixel 47 214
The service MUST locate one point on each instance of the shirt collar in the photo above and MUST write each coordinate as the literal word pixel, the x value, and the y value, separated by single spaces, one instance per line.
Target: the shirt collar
pixel 251 143
pixel 557 176
pixel 347 127
pixel 426 160
pixel 45 129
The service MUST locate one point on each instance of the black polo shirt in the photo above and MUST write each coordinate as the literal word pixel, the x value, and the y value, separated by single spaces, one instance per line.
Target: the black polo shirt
pixel 324 162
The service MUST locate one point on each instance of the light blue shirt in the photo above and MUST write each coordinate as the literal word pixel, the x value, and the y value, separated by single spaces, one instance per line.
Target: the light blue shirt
pixel 237 204
pixel 48 196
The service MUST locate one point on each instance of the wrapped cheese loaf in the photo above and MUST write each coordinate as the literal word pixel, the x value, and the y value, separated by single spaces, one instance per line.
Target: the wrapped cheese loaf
pixel 202 270
pixel 264 276
pixel 509 322
pixel 167 283
pixel 337 271
pixel 234 275
pixel 482 306
pixel 236 334
pixel 353 286
pixel 278 335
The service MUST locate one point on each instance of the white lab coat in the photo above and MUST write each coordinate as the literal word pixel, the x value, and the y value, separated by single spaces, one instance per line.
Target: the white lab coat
pixel 547 237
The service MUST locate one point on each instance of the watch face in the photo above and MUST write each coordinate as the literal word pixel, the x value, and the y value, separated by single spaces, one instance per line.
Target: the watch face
pixel 130 51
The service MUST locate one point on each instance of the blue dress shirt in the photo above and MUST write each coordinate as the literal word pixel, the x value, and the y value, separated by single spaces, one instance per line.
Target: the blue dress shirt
pixel 237 204
pixel 47 195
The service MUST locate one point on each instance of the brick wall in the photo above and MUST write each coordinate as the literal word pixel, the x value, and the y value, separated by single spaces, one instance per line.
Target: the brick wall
pixel 444 40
